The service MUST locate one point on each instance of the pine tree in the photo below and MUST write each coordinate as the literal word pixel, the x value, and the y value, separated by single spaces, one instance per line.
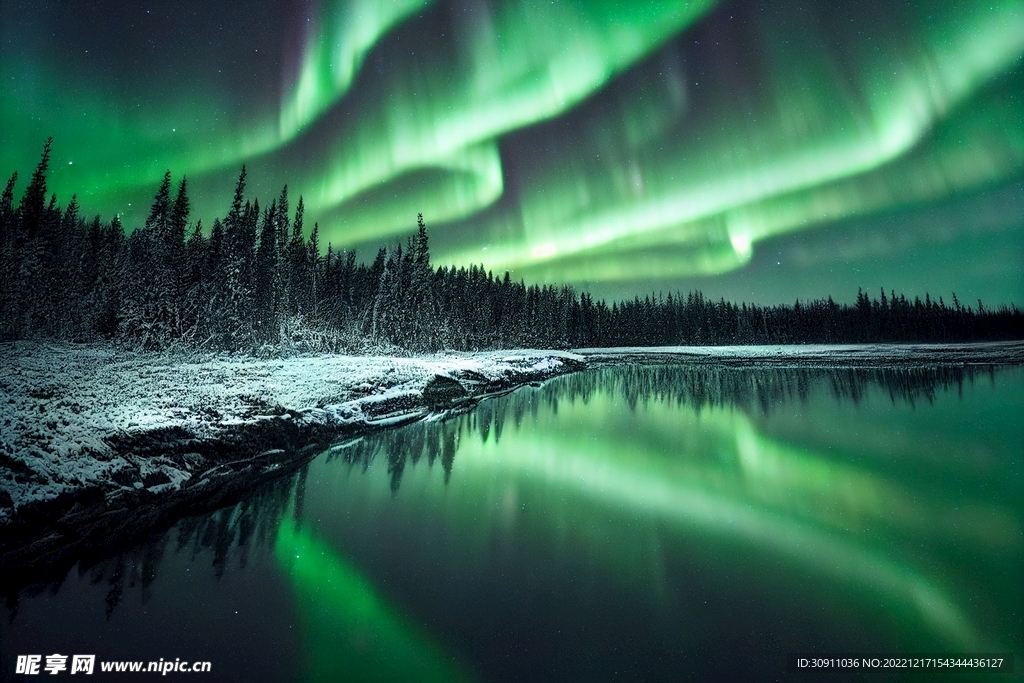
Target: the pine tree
pixel 9 264
pixel 29 250
pixel 34 200
pixel 67 276
pixel 387 303
pixel 217 277
pixel 136 319
pixel 195 285
pixel 422 304
pixel 110 274
pixel 232 222
pixel 160 211
pixel 236 260
pixel 154 291
pixel 91 253
pixel 313 277
pixel 9 225
pixel 266 276
pixel 241 330
pixel 282 275
pixel 297 265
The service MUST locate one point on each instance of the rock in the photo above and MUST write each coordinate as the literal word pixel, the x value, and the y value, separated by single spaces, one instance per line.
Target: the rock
pixel 155 478
pixel 441 392
pixel 471 380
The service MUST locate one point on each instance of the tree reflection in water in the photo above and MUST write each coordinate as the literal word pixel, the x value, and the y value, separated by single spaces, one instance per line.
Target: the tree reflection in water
pixel 751 390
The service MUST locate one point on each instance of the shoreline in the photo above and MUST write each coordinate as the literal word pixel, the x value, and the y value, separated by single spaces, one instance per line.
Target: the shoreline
pixel 100 445
pixel 825 356
pixel 96 439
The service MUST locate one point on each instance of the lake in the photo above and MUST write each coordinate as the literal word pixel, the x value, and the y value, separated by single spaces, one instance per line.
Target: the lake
pixel 646 523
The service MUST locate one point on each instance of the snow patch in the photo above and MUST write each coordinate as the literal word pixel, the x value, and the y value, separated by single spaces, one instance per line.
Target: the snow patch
pixel 64 408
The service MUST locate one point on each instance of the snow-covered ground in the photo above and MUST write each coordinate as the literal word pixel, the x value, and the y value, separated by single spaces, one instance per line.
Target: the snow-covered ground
pixel 80 417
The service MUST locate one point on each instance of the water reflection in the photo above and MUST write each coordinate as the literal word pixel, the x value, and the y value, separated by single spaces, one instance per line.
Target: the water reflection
pixel 634 519
pixel 225 536
pixel 879 483
pixel 351 631
pixel 693 388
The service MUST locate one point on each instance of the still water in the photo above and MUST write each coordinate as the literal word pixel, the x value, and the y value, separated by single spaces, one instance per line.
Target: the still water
pixel 633 523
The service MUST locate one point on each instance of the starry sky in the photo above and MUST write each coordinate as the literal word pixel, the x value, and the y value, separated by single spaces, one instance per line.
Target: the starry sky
pixel 758 150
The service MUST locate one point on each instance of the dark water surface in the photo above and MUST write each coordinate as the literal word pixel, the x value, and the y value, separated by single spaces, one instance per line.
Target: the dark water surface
pixel 634 523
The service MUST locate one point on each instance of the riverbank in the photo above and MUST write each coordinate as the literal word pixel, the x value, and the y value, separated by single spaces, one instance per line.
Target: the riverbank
pixel 94 435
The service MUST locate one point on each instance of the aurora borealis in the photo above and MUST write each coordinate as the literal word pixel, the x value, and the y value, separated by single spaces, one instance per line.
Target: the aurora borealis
pixel 757 150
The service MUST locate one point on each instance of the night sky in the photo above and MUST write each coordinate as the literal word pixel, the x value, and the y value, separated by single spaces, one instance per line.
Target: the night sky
pixel 760 151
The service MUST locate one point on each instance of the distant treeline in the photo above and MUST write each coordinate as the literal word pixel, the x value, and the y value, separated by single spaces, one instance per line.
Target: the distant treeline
pixel 256 283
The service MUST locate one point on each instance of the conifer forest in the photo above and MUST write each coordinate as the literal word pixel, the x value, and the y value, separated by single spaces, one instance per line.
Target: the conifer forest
pixel 257 281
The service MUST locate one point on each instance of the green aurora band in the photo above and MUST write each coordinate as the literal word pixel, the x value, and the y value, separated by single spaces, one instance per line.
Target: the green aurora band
pixel 575 141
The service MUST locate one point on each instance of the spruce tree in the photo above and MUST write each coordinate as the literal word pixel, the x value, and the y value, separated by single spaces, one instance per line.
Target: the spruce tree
pixel 67 275
pixel 266 276
pixel 33 201
pixel 241 268
pixel 387 314
pixel 9 228
pixel 194 285
pixel 217 277
pixel 109 275
pixel 313 278
pixel 29 247
pixel 297 265
pixel 8 260
pixel 282 266
pixel 423 306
